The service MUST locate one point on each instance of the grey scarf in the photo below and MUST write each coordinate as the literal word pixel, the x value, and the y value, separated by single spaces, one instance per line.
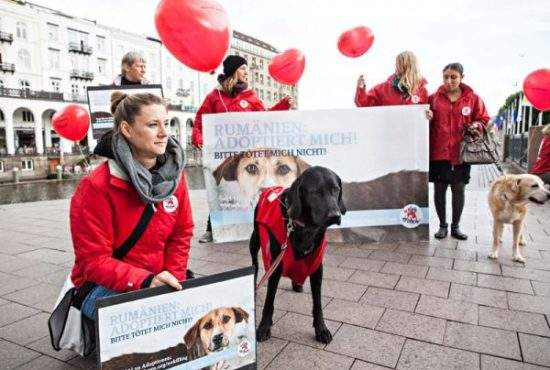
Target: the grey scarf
pixel 158 184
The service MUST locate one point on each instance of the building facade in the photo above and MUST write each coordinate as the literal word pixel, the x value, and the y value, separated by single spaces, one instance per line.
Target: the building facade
pixel 48 59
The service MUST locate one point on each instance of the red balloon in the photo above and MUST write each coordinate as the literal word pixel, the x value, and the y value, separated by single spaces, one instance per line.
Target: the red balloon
pixel 355 42
pixel 287 67
pixel 536 87
pixel 196 32
pixel 71 122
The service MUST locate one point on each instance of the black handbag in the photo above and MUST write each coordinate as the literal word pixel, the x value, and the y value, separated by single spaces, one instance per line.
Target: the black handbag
pixel 481 150
pixel 69 328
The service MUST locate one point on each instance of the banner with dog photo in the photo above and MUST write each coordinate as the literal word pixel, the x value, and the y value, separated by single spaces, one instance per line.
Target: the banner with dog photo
pixel 380 154
pixel 208 324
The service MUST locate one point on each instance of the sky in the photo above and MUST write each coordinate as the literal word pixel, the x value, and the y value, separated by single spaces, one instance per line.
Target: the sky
pixel 498 41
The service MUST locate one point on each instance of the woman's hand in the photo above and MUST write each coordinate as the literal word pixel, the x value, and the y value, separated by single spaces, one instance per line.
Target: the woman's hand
pixel 165 278
pixel 429 114
pixel 475 130
pixel 290 101
pixel 361 82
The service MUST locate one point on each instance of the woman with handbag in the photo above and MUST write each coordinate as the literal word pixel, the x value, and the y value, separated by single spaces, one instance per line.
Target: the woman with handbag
pixel 456 109
pixel 145 169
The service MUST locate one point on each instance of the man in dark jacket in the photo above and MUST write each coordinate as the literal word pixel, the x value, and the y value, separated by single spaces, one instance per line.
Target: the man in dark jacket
pixel 132 70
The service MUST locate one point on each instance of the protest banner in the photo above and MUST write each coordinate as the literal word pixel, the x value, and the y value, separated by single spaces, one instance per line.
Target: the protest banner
pixel 208 324
pixel 380 153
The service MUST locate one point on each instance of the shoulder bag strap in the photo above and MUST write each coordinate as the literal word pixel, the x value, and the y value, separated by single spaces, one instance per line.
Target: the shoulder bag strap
pixel 123 250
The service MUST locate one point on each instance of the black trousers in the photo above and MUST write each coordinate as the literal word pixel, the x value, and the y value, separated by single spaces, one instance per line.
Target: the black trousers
pixel 440 200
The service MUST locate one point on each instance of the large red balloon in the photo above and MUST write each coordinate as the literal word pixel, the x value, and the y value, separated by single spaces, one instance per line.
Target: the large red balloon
pixel 355 42
pixel 287 67
pixel 71 122
pixel 196 32
pixel 536 87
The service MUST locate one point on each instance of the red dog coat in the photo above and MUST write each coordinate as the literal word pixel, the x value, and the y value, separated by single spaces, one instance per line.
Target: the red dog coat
pixel 270 218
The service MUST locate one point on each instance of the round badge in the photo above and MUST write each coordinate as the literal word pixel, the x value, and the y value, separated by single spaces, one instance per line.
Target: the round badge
pixel 244 348
pixel 243 104
pixel 415 99
pixel 170 204
pixel 411 216
pixel 466 111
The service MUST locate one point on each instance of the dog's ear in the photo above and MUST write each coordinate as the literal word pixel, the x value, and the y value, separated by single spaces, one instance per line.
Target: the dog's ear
pixel 294 199
pixel 227 170
pixel 240 314
pixel 341 204
pixel 515 185
pixel 301 165
pixel 190 338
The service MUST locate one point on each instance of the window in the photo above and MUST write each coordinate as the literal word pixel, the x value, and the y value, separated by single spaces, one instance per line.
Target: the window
pixel 261 94
pixel 262 79
pixel 27 116
pixel 1 166
pixel 27 165
pixel 1 84
pixel 268 80
pixel 74 61
pixel 24 58
pixel 261 63
pixel 246 57
pixel 24 84
pixel 269 95
pixel 169 83
pixel 275 96
pixel 56 84
pixel 75 90
pixel 53 32
pixel 21 30
pixel 255 76
pixel 53 56
pixel 101 67
pixel 100 43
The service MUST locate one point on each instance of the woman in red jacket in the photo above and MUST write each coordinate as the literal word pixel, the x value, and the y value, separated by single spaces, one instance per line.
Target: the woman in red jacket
pixel 542 164
pixel 455 108
pixel 405 86
pixel 232 95
pixel 145 166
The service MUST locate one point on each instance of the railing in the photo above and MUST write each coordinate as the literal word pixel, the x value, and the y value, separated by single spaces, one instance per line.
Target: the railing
pixel 81 74
pixel 518 149
pixel 30 94
pixel 7 37
pixel 80 48
pixel 7 67
pixel 182 108
pixel 25 150
pixel 77 98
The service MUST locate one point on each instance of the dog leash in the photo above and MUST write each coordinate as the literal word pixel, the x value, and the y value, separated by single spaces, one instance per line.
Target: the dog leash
pixel 277 261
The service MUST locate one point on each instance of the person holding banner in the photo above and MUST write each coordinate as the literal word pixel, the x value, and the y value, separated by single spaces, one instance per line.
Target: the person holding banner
pixel 232 95
pixel 541 167
pixel 405 86
pixel 456 107
pixel 144 170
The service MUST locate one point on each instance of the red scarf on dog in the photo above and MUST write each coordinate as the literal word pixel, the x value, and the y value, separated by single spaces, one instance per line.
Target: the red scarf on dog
pixel 270 218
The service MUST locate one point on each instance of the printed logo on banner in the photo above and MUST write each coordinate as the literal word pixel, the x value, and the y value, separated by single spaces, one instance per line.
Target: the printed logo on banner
pixel 170 204
pixel 411 216
pixel 244 348
pixel 243 104
pixel 466 111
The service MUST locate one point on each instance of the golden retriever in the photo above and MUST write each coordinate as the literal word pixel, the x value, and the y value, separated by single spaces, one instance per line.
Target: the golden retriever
pixel 260 168
pixel 508 199
pixel 213 332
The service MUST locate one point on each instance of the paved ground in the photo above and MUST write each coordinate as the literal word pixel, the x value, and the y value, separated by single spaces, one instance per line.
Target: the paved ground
pixel 432 305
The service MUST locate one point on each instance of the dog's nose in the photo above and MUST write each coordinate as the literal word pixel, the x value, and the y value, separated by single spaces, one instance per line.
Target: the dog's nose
pixel 217 340
pixel 334 217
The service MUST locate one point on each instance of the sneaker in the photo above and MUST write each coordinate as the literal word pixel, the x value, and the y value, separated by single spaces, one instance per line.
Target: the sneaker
pixel 457 234
pixel 206 237
pixel 441 233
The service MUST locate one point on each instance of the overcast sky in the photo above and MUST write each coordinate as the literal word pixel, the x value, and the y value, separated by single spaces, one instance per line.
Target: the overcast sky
pixel 498 41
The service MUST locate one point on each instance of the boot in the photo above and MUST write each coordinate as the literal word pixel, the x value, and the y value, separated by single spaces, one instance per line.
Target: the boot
pixel 457 234
pixel 442 232
pixel 206 237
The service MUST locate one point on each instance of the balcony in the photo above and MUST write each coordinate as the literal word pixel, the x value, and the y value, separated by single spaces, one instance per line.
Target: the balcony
pixel 182 108
pixel 83 75
pixel 30 94
pixel 7 67
pixel 6 37
pixel 80 48
pixel 77 98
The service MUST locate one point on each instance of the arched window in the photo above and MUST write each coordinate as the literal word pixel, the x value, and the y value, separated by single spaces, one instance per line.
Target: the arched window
pixel 1 84
pixel 24 58
pixel 21 30
pixel 24 84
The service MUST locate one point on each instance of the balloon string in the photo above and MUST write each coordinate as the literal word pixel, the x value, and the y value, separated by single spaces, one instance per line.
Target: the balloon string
pixel 86 163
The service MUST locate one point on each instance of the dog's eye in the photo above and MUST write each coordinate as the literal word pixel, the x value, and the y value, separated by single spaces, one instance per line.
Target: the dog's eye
pixel 252 169
pixel 226 319
pixel 283 170
pixel 208 325
pixel 535 186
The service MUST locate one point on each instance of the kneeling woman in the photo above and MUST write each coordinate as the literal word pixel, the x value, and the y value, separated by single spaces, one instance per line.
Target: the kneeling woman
pixel 144 169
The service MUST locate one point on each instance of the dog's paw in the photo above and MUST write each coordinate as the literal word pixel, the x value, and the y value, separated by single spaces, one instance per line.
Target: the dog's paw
pixel 493 255
pixel 522 243
pixel 263 333
pixel 298 288
pixel 323 335
pixel 519 259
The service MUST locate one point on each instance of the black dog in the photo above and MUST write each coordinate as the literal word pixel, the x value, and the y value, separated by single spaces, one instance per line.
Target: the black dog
pixel 309 206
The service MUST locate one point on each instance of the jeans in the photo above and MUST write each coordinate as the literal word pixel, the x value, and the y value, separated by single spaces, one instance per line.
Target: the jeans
pixel 88 305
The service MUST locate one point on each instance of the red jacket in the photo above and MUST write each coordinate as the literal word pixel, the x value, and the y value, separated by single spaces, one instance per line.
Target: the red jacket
pixel 449 119
pixel 385 94
pixel 542 164
pixel 219 102
pixel 105 210
pixel 270 218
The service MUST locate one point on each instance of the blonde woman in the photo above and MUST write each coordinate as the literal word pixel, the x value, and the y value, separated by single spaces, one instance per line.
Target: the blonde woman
pixel 405 86
pixel 542 164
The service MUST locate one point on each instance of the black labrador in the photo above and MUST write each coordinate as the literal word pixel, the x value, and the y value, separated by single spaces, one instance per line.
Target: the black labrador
pixel 313 203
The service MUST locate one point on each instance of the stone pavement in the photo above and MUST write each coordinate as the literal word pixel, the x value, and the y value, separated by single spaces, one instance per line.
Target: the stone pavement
pixel 430 305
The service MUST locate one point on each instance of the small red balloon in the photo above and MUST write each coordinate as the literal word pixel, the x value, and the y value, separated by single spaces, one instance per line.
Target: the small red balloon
pixel 536 87
pixel 355 42
pixel 71 122
pixel 196 32
pixel 287 67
